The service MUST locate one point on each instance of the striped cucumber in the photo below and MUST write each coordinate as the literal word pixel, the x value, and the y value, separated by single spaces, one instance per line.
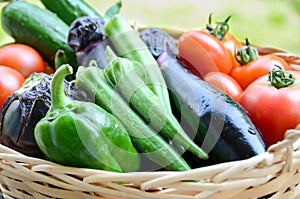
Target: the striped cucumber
pixel 39 28
pixel 68 10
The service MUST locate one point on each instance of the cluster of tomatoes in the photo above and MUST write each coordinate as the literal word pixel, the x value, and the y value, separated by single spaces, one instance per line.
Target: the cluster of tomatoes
pixel 265 85
pixel 17 62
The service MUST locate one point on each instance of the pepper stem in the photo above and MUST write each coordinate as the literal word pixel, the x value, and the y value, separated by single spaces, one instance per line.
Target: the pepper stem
pixel 246 54
pixel 59 59
pixel 58 96
pixel 280 78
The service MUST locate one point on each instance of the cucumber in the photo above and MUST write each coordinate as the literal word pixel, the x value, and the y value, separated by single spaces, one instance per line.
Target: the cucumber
pixel 39 28
pixel 68 10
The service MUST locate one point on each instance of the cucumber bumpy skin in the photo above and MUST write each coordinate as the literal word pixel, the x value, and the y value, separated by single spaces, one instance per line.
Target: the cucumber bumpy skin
pixel 39 28
pixel 68 10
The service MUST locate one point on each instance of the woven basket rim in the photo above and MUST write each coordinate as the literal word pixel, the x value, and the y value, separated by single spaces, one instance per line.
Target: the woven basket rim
pixel 281 159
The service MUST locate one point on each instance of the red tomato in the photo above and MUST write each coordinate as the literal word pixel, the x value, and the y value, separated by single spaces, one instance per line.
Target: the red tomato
pixel 225 83
pixel 232 44
pixel 10 81
pixel 272 110
pixel 203 53
pixel 220 29
pixel 246 74
pixel 22 58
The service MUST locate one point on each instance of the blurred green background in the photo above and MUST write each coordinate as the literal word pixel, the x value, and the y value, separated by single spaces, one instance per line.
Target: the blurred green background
pixel 271 23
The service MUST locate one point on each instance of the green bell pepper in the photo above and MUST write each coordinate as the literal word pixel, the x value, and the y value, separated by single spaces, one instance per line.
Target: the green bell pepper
pixel 82 134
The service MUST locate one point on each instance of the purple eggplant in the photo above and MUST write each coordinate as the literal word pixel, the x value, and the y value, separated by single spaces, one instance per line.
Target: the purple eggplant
pixel 25 108
pixel 87 38
pixel 218 124
pixel 155 39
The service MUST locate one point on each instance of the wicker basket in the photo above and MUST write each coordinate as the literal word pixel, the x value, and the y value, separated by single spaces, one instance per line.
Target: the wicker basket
pixel 273 174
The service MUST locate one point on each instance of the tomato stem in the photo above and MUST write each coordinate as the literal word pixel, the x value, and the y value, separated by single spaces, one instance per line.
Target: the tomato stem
pixel 246 54
pixel 220 30
pixel 280 78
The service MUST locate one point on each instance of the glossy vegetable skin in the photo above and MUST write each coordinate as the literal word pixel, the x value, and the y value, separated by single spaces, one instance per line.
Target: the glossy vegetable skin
pixel 22 58
pixel 273 110
pixel 222 126
pixel 68 10
pixel 82 134
pixel 87 38
pixel 232 44
pixel 91 79
pixel 246 74
pixel 203 53
pixel 10 81
pixel 124 76
pixel 220 30
pixel 22 20
pixel 128 44
pixel 25 108
pixel 225 83
pixel 253 66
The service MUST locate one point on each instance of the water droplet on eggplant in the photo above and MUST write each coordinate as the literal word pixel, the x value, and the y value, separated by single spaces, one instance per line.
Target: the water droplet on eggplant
pixel 251 131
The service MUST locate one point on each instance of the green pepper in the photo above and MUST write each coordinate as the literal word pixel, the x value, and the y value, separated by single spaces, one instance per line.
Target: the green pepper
pixel 124 76
pixel 82 134
pixel 128 44
pixel 91 79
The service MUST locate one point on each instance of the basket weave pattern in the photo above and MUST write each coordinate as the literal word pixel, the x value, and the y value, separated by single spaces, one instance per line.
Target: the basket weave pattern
pixel 274 174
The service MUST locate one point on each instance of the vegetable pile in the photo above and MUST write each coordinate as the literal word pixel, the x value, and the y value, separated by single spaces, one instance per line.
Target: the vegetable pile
pixel 89 90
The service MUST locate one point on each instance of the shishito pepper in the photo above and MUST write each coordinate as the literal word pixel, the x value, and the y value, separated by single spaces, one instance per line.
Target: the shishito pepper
pixel 125 77
pixel 82 134
pixel 92 80
pixel 128 44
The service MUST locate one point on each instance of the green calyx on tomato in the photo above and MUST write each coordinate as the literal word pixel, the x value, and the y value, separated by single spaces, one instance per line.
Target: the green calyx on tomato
pixel 267 107
pixel 246 54
pixel 280 78
pixel 221 28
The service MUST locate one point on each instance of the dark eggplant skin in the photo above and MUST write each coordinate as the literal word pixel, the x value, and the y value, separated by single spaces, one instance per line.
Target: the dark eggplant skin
pixel 85 30
pixel 87 38
pixel 219 124
pixel 155 38
pixel 25 108
pixel 216 122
